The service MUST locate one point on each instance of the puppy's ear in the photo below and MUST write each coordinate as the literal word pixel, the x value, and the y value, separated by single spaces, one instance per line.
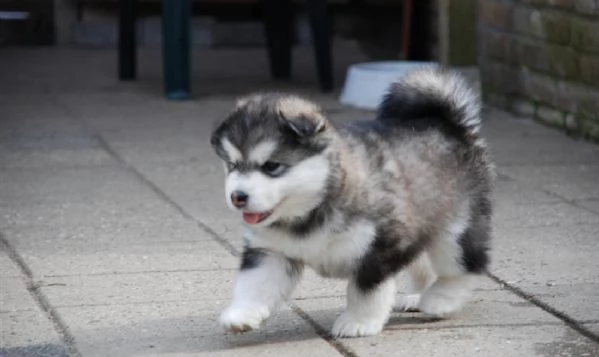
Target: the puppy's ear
pixel 301 118
pixel 216 136
pixel 302 126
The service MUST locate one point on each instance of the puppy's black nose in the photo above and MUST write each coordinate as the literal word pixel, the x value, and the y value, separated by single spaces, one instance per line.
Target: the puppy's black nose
pixel 239 199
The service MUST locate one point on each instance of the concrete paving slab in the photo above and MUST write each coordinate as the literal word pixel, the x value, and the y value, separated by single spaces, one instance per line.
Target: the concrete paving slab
pixel 573 182
pixel 86 185
pixel 156 152
pixel 547 255
pixel 119 118
pixel 195 186
pixel 14 296
pixel 24 110
pixel 118 213
pixel 138 288
pixel 185 329
pixel 78 196
pixel 579 301
pixel 46 140
pixel 495 341
pixel 487 308
pixel 503 124
pixel 47 157
pixel 506 192
pixel 124 246
pixel 7 268
pixel 29 334
pixel 510 215
pixel 594 327
pixel 22 100
pixel 592 204
pixel 106 234
pixel 531 143
pixel 540 151
pixel 44 123
pixel 178 256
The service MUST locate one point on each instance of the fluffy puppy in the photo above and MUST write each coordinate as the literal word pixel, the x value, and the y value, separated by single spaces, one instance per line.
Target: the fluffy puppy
pixel 360 201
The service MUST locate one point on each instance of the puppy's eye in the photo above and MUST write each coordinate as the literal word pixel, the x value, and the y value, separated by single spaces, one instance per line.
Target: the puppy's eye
pixel 272 168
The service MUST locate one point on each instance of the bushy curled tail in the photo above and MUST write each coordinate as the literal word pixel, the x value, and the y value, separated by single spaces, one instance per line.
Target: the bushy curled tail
pixel 433 97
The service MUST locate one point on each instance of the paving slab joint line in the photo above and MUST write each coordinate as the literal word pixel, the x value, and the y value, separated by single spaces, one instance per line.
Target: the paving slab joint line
pixel 320 331
pixel 127 166
pixel 42 301
pixel 165 197
pixel 571 322
pixel 323 333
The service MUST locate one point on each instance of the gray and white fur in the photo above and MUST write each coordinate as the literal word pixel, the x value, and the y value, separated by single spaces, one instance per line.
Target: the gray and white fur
pixel 361 201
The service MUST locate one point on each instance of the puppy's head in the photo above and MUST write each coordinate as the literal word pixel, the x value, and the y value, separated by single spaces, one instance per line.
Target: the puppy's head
pixel 274 150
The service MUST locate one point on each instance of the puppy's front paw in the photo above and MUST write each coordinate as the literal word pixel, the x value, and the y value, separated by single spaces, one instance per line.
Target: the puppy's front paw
pixel 408 303
pixel 243 318
pixel 347 325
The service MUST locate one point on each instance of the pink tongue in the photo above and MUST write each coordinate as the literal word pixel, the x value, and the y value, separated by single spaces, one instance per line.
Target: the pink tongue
pixel 251 218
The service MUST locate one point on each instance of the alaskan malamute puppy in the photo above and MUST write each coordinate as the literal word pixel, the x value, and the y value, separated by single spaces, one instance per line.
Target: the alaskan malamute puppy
pixel 409 189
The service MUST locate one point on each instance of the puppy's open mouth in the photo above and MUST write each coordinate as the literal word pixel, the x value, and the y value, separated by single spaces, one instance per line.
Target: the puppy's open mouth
pixel 255 217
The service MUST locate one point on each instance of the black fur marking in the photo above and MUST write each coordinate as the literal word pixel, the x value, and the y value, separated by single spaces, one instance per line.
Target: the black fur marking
pixel 294 267
pixel 424 124
pixel 304 226
pixel 413 110
pixel 296 138
pixel 244 166
pixel 475 240
pixel 301 127
pixel 385 258
pixel 316 218
pixel 251 258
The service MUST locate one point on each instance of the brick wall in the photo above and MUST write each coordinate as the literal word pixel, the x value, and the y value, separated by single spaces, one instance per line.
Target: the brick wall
pixel 540 58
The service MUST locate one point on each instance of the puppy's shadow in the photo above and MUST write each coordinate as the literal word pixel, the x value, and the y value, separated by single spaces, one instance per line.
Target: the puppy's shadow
pixel 46 350
pixel 325 318
pixel 412 319
pixel 199 333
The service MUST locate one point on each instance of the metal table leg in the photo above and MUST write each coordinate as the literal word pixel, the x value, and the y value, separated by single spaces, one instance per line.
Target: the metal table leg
pixel 176 43
pixel 127 41
pixel 321 37
pixel 278 28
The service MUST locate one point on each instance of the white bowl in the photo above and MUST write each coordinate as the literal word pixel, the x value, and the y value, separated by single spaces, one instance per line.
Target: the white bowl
pixel 367 83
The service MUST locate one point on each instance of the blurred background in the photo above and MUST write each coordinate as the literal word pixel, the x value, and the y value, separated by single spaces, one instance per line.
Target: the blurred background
pixel 535 58
pixel 375 24
pixel 272 39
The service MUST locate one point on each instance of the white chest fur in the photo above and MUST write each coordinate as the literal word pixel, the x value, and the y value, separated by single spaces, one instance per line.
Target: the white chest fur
pixel 329 251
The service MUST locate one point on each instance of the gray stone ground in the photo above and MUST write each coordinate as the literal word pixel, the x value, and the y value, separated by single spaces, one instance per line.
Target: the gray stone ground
pixel 116 240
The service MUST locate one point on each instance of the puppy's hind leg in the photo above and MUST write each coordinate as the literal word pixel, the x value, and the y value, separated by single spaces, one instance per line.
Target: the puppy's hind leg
pixel 458 258
pixel 367 310
pixel 420 276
